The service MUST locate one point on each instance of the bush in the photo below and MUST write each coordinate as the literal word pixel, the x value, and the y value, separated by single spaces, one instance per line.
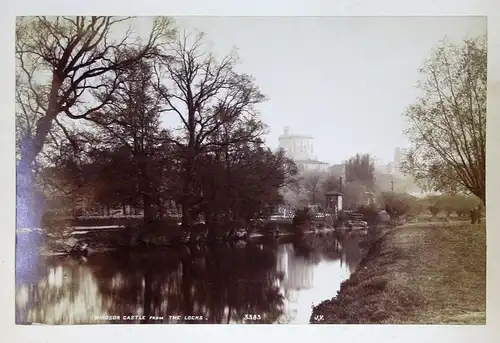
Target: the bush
pixel 397 205
pixel 54 222
pixel 302 217
pixel 369 213
pixel 460 204
pixel 434 210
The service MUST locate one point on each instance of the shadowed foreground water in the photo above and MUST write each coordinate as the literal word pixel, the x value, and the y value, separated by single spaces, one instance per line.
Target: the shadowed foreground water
pixel 269 282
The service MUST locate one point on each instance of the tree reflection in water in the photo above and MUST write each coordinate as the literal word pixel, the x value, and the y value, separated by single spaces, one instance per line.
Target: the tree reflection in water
pixel 222 283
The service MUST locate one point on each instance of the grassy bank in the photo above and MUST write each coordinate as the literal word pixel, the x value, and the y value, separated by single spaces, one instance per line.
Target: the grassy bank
pixel 423 273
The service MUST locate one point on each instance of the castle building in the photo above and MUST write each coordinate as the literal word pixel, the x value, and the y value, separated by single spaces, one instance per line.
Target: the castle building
pixel 300 149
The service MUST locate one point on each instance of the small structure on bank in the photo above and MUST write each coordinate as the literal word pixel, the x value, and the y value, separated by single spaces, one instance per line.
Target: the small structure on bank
pixel 333 206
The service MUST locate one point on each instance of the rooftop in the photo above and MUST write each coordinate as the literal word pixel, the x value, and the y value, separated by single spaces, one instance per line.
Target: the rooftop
pixel 309 161
pixel 287 134
pixel 294 136
pixel 333 193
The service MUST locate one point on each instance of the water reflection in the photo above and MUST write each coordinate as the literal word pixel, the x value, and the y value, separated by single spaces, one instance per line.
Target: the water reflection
pixel 278 281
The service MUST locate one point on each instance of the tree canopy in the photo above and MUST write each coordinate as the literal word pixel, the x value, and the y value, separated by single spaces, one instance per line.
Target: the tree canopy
pixel 360 168
pixel 124 91
pixel 447 123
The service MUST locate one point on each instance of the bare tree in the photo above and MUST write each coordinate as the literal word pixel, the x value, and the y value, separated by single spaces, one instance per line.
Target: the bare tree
pixel 205 94
pixel 62 62
pixel 448 122
pixel 312 183
pixel 68 67
pixel 331 182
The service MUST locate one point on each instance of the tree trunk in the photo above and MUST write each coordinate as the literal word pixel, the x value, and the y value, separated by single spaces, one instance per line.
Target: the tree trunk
pixel 473 217
pixel 31 147
pixel 185 215
pixel 29 150
pixel 186 195
pixel 481 194
pixel 148 209
pixel 146 191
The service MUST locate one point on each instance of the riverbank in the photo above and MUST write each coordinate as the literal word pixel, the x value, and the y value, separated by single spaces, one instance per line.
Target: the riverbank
pixel 95 239
pixel 422 273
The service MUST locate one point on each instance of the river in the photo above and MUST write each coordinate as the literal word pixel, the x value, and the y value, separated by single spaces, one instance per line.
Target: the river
pixel 275 281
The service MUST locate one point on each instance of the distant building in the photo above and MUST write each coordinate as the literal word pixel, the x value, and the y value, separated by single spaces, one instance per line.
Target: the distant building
pixel 390 168
pixel 378 163
pixel 311 165
pixel 297 147
pixel 300 149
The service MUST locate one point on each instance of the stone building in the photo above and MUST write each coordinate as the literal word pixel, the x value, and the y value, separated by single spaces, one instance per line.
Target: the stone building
pixel 300 149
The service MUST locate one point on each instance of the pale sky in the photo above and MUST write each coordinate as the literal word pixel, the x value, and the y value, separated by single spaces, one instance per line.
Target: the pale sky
pixel 343 80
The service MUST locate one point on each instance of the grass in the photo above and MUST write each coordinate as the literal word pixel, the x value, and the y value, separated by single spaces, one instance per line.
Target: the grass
pixel 422 273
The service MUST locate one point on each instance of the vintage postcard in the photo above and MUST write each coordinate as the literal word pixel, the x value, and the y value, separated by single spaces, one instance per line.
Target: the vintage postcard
pixel 250 170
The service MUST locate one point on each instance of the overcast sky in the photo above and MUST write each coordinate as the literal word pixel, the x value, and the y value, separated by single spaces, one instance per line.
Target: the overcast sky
pixel 343 80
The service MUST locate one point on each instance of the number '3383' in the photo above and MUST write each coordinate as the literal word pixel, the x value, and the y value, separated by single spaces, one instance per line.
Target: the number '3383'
pixel 252 317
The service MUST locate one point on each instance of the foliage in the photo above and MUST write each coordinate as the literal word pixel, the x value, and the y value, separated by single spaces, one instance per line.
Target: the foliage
pixel 214 164
pixel 354 194
pixel 331 182
pixel 68 68
pixel 448 122
pixel 312 182
pixel 302 216
pixel 434 209
pixel 370 213
pixel 243 187
pixel 360 169
pixel 399 204
pixel 129 134
pixel 310 188
pixel 64 62
pixel 459 204
pixel 215 106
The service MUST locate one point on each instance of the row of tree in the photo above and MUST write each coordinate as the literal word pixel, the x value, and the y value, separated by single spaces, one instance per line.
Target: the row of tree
pixel 362 182
pixel 89 127
pixel 398 205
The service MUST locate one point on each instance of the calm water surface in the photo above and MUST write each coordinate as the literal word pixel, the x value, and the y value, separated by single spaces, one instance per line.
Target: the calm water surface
pixel 278 281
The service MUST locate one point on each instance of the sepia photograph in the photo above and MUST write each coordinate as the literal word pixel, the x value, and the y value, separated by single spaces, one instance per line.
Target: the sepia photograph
pixel 250 170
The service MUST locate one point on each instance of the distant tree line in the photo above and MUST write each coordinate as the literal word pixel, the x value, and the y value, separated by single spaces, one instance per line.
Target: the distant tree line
pixel 446 206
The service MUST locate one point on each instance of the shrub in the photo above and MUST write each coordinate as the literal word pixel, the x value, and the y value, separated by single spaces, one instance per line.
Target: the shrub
pixel 302 217
pixel 369 213
pixel 55 222
pixel 397 205
pixel 434 210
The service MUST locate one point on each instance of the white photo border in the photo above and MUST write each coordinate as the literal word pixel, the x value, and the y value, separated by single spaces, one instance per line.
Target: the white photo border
pixel 246 333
